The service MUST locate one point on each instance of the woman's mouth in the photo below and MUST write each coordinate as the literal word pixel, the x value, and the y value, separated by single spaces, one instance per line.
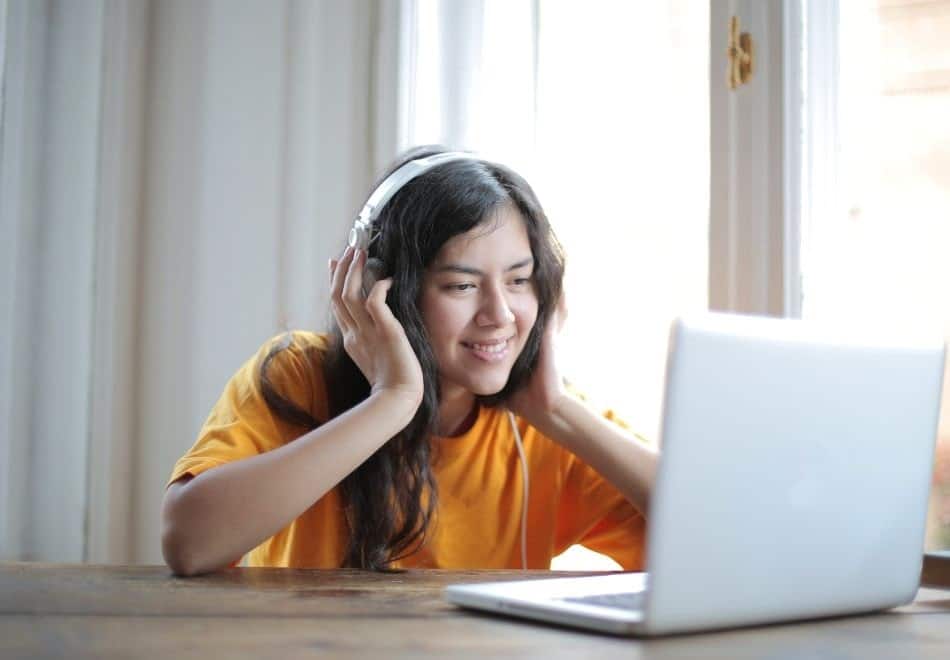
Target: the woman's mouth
pixel 492 351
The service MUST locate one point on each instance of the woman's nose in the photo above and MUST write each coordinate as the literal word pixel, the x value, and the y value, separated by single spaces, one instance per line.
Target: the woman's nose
pixel 495 310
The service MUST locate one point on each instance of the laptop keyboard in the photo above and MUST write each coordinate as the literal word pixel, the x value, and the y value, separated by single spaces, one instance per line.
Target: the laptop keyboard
pixel 632 600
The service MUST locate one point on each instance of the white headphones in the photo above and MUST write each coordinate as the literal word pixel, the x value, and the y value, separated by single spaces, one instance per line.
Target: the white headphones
pixel 362 233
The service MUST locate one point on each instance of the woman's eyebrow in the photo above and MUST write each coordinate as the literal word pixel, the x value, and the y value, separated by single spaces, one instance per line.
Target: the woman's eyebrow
pixel 468 270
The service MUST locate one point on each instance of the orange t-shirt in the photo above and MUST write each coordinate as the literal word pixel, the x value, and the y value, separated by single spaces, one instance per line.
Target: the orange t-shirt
pixel 479 476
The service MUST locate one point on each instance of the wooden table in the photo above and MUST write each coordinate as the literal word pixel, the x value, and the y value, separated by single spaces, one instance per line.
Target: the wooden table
pixel 143 611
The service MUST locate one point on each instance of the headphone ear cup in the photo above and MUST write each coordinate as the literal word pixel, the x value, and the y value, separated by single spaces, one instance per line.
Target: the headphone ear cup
pixel 372 273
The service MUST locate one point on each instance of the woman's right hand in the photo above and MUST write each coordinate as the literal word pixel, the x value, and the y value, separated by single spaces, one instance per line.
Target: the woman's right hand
pixel 372 336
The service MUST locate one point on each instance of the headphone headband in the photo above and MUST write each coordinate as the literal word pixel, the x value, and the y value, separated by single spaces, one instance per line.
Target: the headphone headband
pixel 362 233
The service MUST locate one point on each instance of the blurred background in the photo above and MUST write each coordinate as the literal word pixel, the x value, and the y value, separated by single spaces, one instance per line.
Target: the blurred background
pixel 174 175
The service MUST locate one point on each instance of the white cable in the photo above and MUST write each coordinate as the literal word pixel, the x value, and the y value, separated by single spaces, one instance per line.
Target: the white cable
pixel 524 504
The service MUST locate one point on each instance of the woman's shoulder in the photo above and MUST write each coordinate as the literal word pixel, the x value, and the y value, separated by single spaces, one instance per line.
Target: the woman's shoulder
pixel 291 365
pixel 301 340
pixel 293 349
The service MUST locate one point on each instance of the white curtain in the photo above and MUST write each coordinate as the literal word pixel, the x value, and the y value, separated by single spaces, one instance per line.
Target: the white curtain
pixel 175 175
pixel 50 129
pixel 472 77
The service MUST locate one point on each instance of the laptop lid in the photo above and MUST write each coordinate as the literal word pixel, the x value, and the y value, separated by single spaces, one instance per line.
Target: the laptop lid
pixel 795 472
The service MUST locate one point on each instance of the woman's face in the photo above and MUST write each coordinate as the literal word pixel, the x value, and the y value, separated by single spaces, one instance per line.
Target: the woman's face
pixel 479 304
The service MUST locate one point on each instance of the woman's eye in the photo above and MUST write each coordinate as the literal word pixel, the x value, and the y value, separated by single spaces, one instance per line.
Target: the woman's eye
pixel 521 281
pixel 460 287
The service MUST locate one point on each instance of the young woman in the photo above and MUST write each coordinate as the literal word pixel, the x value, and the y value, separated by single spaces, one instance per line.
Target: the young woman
pixel 430 426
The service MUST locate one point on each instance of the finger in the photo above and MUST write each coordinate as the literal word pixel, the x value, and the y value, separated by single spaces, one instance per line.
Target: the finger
pixel 343 318
pixel 353 292
pixel 331 268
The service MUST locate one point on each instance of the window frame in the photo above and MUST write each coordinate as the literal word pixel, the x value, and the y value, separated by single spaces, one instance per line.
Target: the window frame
pixel 755 176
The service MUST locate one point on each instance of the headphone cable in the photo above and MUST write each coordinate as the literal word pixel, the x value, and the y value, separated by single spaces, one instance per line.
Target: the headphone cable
pixel 524 504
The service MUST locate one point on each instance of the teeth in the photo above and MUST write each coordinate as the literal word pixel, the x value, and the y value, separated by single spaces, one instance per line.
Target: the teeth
pixel 490 348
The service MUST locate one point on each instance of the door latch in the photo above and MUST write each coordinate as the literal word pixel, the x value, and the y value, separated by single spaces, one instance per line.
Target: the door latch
pixel 741 53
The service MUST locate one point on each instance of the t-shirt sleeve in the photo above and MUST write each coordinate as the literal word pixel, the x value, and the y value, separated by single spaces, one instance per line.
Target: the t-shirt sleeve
pixel 241 424
pixel 595 514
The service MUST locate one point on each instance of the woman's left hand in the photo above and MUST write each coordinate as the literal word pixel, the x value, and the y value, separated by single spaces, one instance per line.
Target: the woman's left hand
pixel 537 400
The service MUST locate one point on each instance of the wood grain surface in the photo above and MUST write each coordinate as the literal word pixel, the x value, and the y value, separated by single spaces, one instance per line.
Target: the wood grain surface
pixel 143 611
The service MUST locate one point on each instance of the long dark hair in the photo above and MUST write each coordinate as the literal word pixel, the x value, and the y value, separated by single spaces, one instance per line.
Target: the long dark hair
pixel 390 499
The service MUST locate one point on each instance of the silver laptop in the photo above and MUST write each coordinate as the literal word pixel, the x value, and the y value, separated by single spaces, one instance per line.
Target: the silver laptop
pixel 795 468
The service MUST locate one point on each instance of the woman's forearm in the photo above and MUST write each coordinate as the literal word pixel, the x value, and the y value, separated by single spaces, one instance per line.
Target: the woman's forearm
pixel 628 464
pixel 224 512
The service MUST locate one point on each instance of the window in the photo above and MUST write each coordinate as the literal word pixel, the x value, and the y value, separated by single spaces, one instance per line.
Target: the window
pixel 877 248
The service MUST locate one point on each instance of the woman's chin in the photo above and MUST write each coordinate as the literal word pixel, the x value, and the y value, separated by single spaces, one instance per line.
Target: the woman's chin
pixel 487 391
pixel 477 381
pixel 487 388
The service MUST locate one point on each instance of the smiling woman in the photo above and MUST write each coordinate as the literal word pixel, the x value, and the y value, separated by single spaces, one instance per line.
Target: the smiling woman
pixel 395 439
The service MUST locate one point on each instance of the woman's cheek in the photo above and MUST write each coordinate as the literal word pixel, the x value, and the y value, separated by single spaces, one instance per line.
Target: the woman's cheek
pixel 527 312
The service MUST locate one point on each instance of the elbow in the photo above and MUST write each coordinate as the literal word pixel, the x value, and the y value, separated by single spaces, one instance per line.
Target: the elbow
pixel 176 555
pixel 177 548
